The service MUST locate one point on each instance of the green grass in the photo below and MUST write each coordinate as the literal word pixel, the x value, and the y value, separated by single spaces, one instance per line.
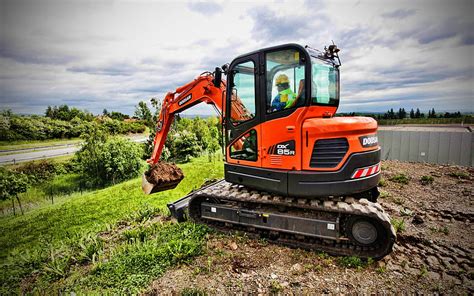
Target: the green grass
pixel 56 190
pixel 43 242
pixel 464 119
pixel 426 180
pixel 400 178
pixel 12 145
pixel 459 175
pixel 398 224
pixel 133 265
pixel 354 262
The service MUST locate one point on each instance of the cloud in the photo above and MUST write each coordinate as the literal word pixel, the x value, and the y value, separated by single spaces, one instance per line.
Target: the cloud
pixel 435 31
pixel 270 26
pixel 110 70
pixel 114 54
pixel 399 13
pixel 27 54
pixel 205 8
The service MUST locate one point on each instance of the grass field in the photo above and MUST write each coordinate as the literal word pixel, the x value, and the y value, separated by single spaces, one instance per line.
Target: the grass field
pixel 100 241
pixel 12 145
pixel 28 144
pixel 467 120
pixel 58 188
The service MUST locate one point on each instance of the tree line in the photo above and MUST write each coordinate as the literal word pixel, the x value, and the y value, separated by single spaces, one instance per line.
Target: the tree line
pixel 61 122
pixel 416 115
pixel 402 114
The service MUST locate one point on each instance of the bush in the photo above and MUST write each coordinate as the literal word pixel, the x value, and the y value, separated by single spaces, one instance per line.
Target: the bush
pixel 188 138
pixel 38 172
pixel 426 180
pixel 59 124
pixel 104 161
pixel 400 178
pixel 350 262
pixel 398 224
pixel 11 184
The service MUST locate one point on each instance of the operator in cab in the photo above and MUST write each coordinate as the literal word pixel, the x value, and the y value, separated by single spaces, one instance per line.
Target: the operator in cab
pixel 286 98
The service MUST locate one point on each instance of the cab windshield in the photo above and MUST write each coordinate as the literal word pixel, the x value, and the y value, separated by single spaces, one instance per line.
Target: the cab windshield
pixel 324 83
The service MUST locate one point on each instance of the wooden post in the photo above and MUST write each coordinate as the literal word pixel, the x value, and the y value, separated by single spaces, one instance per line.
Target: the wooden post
pixel 21 208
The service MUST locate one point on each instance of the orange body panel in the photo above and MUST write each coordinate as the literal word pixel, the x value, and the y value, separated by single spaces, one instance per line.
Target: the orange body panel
pixel 305 126
pixel 350 128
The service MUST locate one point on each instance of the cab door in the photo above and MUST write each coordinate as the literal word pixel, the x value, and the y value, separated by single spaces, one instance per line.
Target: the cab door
pixel 243 133
pixel 285 90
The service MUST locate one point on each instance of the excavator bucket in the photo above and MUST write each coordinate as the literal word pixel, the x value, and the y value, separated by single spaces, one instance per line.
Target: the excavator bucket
pixel 160 177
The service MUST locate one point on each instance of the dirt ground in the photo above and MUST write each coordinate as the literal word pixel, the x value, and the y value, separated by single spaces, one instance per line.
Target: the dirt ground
pixel 433 253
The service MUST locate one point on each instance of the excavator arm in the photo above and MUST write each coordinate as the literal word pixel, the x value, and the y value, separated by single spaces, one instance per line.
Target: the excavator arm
pixel 201 89
pixel 205 88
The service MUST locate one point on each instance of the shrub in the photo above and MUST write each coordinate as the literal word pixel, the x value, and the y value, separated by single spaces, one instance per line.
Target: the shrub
pixel 106 161
pixel 11 184
pixel 185 145
pixel 350 262
pixel 38 172
pixel 399 225
pixel 400 178
pixel 426 180
pixel 459 175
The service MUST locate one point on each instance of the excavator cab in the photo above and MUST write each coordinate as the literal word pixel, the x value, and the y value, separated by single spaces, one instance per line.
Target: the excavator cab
pixel 290 95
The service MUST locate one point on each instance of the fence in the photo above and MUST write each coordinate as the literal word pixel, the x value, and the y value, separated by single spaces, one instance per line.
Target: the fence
pixel 441 145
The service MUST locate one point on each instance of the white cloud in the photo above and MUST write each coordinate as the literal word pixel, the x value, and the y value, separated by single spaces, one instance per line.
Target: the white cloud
pixel 114 53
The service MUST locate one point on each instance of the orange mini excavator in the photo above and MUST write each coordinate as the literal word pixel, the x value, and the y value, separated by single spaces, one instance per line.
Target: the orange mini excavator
pixel 294 173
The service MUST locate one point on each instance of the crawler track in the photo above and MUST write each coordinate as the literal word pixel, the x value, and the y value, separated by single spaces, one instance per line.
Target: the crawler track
pixel 336 209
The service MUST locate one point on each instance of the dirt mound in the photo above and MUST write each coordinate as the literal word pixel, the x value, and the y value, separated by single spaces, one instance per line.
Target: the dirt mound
pixel 163 173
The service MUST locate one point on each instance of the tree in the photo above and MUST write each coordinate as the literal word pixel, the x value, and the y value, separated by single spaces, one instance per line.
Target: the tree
pixel 432 113
pixel 401 113
pixel 118 116
pixel 11 185
pixel 49 112
pixel 412 113
pixel 104 160
pixel 185 145
pixel 142 112
pixel 417 113
pixel 105 112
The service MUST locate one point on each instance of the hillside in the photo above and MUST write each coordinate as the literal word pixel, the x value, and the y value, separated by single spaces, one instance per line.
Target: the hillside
pixel 117 240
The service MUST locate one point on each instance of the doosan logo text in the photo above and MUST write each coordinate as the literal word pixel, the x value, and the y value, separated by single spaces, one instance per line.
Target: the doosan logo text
pixel 185 100
pixel 368 141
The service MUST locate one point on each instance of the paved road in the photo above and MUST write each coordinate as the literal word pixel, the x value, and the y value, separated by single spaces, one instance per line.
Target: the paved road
pixel 50 153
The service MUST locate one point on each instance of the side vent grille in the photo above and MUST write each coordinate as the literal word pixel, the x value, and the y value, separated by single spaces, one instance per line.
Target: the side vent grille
pixel 328 153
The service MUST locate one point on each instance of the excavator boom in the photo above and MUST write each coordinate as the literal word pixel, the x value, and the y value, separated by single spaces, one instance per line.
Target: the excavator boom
pixel 204 89
pixel 164 176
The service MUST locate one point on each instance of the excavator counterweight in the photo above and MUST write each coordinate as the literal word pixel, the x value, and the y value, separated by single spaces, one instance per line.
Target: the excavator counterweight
pixel 294 172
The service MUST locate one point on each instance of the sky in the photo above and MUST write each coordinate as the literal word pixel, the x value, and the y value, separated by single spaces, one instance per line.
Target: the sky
pixel 113 54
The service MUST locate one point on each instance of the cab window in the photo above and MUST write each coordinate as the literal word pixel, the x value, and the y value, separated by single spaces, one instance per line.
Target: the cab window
pixel 243 93
pixel 285 71
pixel 245 147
